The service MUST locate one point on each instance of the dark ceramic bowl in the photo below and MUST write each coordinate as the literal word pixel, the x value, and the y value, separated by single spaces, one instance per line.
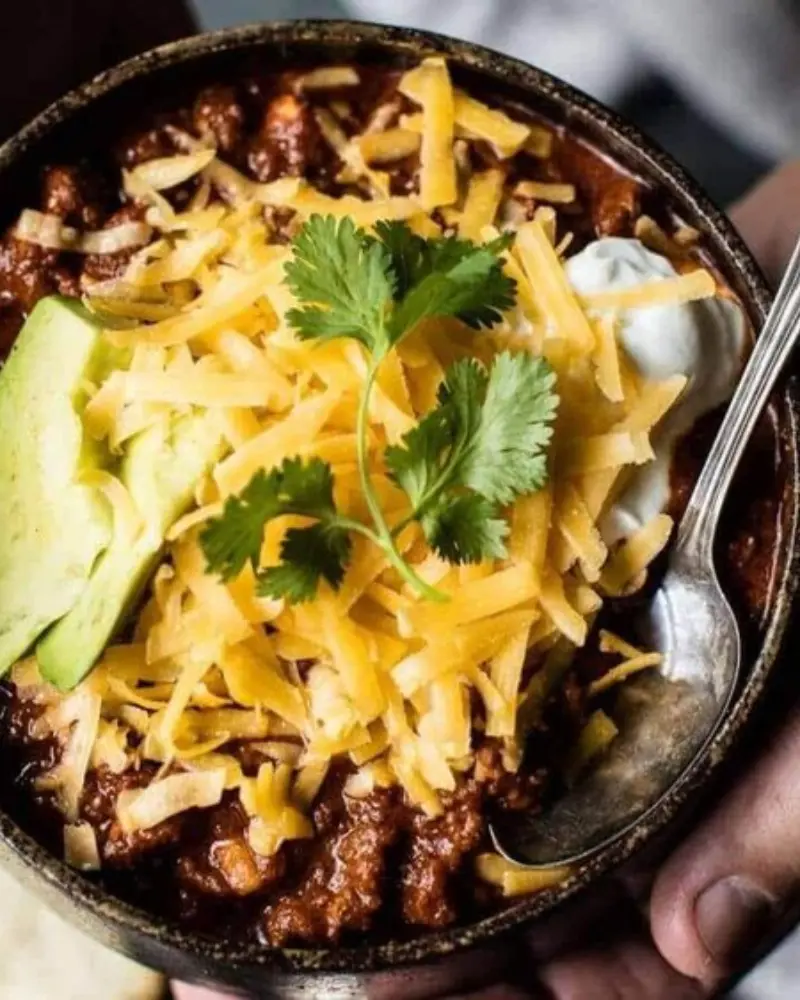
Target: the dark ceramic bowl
pixel 94 111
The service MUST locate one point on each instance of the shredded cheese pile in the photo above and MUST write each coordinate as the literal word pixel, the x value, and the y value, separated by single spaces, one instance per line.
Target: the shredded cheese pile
pixel 370 672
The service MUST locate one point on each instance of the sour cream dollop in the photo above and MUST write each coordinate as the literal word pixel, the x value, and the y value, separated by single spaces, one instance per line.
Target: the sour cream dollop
pixel 702 340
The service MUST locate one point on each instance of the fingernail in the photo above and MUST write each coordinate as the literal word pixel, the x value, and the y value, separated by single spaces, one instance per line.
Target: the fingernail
pixel 732 915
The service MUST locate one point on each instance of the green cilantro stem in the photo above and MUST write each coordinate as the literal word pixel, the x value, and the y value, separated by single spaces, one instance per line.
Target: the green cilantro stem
pixel 384 536
pixel 348 524
pixel 482 445
pixel 428 497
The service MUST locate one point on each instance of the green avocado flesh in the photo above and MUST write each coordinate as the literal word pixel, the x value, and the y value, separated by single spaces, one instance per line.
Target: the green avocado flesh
pixel 52 528
pixel 160 470
pixel 68 574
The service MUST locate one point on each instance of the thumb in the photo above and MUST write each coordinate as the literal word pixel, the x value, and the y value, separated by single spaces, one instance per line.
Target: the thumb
pixel 768 218
pixel 182 991
pixel 717 896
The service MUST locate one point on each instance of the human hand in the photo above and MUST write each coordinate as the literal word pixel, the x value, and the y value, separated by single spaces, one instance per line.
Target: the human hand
pixel 717 896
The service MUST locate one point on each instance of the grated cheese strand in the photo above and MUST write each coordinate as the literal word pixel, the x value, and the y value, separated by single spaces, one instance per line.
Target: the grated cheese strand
pixel 431 83
pixel 368 673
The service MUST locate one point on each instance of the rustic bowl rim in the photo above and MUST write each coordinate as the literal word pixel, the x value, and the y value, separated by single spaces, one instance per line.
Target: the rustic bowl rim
pixel 55 879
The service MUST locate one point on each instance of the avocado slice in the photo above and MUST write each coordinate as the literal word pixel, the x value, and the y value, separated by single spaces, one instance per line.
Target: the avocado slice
pixel 52 528
pixel 161 469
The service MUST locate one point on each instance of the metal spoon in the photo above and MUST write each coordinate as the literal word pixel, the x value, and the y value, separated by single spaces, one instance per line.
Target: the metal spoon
pixel 667 718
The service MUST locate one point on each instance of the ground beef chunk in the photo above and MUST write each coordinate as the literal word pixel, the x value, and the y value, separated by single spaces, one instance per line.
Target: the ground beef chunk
pixel 222 863
pixel 750 555
pixel 436 851
pixel 18 724
pixel 28 272
pixel 385 115
pixel 68 281
pixel 143 145
pixel 264 160
pixel 218 114
pixel 508 790
pixel 27 757
pixel 73 195
pixel 99 807
pixel 617 208
pixel 11 319
pixel 563 717
pixel 376 103
pixel 342 887
pixel 19 717
pixel 613 198
pixel 288 141
pixel 573 698
pixel 284 223
pixel 112 266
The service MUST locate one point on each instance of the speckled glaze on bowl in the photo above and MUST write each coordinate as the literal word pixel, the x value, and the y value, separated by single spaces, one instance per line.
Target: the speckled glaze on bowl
pixel 87 112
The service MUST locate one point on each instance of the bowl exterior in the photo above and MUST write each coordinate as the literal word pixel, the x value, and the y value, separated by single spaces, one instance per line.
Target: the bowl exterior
pixel 348 972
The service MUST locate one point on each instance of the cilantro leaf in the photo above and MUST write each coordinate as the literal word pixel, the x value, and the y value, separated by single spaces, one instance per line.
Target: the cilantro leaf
pixel 482 446
pixel 507 424
pixel 415 464
pixel 376 289
pixel 295 487
pixel 465 529
pixel 450 277
pixel 407 252
pixel 319 551
pixel 344 278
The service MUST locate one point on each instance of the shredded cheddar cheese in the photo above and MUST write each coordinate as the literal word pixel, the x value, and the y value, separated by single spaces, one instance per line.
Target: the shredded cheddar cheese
pixel 430 85
pixel 516 880
pixel 685 288
pixel 140 810
pixel 370 672
pixel 544 191
pixel 481 203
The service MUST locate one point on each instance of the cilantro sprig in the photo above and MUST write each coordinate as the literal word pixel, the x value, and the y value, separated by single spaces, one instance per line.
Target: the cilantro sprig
pixel 376 289
pixel 476 452
pixel 319 550
pixel 482 445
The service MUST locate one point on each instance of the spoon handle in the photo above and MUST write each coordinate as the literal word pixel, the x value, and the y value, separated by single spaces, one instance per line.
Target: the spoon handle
pixel 779 335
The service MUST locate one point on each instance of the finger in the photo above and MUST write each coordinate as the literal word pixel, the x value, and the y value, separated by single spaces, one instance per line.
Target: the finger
pixel 615 959
pixel 576 923
pixel 182 991
pixel 458 975
pixel 625 970
pixel 504 991
pixel 769 219
pixel 717 896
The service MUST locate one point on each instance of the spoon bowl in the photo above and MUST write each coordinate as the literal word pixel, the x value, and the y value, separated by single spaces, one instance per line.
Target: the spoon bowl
pixel 666 719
